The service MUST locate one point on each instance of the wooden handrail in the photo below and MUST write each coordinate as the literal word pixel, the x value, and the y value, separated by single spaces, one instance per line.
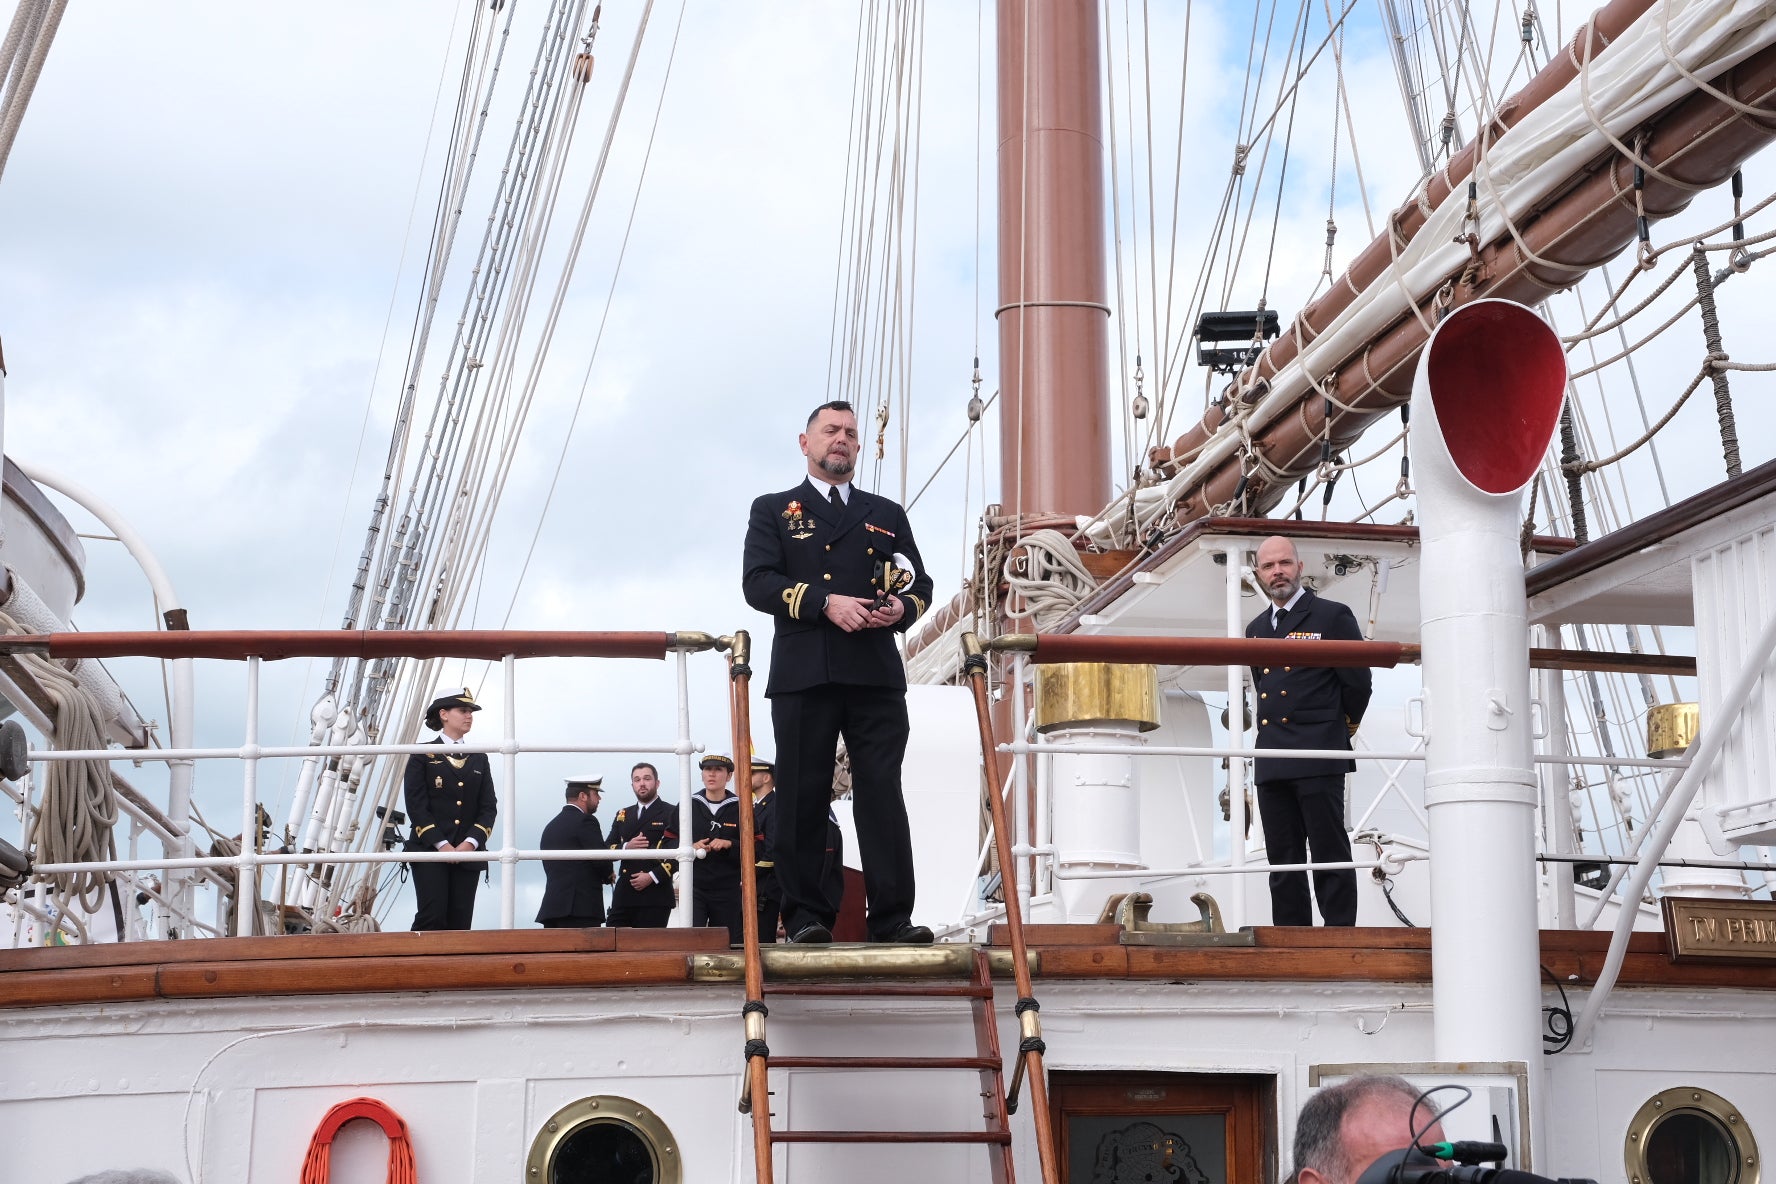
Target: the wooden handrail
pixel 273 644
pixel 1029 1025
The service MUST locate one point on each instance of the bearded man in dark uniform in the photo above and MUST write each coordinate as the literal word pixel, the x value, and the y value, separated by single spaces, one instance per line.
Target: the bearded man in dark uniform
pixel 451 803
pixel 1301 799
pixel 574 895
pixel 822 560
pixel 644 895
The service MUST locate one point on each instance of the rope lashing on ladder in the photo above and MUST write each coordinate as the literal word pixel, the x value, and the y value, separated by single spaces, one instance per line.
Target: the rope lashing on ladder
pixel 317 1167
pixel 756 1046
pixel 1032 1027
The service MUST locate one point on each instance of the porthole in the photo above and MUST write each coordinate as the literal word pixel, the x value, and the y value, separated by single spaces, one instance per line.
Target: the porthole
pixel 1690 1135
pixel 604 1140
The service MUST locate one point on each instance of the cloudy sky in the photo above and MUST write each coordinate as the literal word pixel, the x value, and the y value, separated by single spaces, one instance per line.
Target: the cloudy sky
pixel 211 233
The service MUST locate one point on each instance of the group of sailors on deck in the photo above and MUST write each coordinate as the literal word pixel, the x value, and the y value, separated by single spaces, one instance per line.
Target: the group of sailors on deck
pixel 451 803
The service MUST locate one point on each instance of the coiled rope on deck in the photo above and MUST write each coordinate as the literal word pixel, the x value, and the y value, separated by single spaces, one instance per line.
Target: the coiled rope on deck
pixel 74 822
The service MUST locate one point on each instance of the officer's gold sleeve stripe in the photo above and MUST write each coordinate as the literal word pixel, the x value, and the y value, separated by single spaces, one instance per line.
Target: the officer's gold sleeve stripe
pixel 422 830
pixel 918 605
pixel 795 604
pixel 486 830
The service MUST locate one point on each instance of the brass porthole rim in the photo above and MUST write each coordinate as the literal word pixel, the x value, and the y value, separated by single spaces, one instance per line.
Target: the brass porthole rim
pixel 606 1108
pixel 1690 1099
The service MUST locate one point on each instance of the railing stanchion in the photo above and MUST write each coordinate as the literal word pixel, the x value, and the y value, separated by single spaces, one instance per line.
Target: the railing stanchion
pixel 1030 1046
pixel 246 888
pixel 1023 872
pixel 755 1095
pixel 507 789
pixel 1238 826
pixel 684 881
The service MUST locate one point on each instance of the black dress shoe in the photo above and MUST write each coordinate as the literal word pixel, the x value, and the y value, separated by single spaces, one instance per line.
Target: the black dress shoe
pixel 908 935
pixel 816 934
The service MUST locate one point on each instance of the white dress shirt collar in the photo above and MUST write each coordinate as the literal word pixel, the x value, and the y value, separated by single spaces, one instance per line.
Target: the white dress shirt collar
pixel 825 488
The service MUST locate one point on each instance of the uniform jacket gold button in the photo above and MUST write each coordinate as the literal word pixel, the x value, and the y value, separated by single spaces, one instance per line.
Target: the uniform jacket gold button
pixel 827 576
pixel 869 550
pixel 1282 692
pixel 1286 669
pixel 459 803
pixel 1264 694
pixel 1285 719
pixel 1264 723
pixel 829 546
pixel 1267 670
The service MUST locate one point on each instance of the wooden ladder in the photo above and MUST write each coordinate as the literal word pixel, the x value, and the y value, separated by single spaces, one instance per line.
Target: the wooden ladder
pixel 986 1061
pixel 998 1104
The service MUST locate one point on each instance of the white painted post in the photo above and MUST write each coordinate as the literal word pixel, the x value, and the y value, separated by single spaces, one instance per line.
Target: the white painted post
pixel 246 886
pixel 686 877
pixel 1557 825
pixel 1236 711
pixel 506 793
pixel 1020 813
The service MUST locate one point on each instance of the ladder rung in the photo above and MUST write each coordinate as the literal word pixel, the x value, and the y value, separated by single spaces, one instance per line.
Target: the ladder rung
pixel 884 990
pixel 976 1063
pixel 891 1136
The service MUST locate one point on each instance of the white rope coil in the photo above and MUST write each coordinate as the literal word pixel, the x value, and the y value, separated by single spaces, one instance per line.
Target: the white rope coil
pixel 1054 580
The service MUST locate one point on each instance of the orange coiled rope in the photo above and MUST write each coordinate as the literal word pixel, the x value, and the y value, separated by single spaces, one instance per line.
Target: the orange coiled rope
pixel 317 1168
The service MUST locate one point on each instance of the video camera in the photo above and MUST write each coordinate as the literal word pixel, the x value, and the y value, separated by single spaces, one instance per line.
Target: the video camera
pixel 1423 1164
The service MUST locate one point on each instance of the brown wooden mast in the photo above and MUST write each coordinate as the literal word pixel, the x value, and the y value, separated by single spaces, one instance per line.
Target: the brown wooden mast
pixel 1054 315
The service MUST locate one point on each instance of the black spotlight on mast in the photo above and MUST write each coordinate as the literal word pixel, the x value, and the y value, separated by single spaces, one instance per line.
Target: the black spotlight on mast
pixel 1246 331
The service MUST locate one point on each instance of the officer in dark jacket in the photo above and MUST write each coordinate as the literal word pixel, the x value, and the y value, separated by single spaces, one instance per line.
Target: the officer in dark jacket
pixel 643 897
pixel 827 561
pixel 451 803
pixel 574 896
pixel 715 827
pixel 764 808
pixel 1301 799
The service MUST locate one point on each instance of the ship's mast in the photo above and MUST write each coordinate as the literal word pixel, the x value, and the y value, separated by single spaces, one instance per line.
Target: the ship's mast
pixel 1054 333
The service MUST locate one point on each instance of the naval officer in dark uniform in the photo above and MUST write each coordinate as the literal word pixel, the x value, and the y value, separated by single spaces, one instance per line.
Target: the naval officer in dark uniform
pixel 451 803
pixel 764 860
pixel 1300 799
pixel 715 828
pixel 574 895
pixel 644 895
pixel 817 558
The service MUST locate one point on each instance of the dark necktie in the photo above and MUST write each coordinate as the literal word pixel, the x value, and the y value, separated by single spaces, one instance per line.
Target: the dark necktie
pixel 1276 620
pixel 833 496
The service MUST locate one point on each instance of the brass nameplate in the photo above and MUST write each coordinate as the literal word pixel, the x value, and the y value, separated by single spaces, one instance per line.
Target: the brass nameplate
pixel 1744 930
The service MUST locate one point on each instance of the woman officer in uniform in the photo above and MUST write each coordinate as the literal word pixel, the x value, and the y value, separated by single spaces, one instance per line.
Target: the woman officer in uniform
pixel 451 803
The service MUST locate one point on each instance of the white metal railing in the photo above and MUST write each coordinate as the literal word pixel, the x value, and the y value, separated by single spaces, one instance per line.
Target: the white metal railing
pixel 249 861
pixel 1039 858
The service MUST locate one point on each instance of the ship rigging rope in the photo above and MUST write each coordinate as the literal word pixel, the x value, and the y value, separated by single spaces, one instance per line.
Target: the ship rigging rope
pixel 452 597
pixel 22 55
pixel 426 565
pixel 1739 262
